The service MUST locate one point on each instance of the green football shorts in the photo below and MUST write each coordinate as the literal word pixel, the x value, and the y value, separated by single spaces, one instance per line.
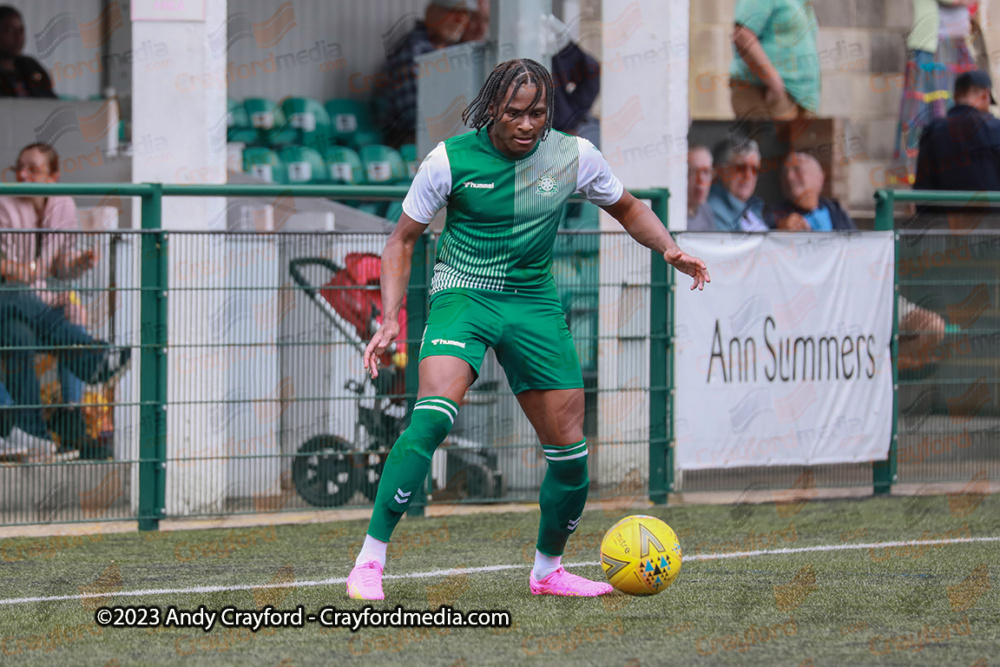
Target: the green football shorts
pixel 527 332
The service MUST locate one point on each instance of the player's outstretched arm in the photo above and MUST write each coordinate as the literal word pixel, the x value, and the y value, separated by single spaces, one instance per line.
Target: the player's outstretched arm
pixel 643 225
pixel 396 259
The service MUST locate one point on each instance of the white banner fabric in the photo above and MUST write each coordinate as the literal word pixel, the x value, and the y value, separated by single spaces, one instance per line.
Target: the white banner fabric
pixel 784 359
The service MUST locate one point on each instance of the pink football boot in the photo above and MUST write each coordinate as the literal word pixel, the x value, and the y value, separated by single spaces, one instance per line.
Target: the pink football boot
pixel 562 582
pixel 365 582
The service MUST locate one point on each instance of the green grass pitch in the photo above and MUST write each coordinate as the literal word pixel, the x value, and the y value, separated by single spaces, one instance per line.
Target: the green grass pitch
pixel 835 605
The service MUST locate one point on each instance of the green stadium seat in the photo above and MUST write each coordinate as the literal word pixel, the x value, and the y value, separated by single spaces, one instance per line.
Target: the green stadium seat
pixel 347 117
pixel 383 165
pixel 303 165
pixel 409 154
pixel 263 113
pixel 238 125
pixel 344 166
pixel 308 120
pixel 263 163
pixel 394 211
pixel 363 138
pixel 268 119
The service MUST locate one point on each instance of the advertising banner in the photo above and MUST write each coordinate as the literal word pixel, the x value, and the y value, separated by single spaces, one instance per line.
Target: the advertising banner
pixel 784 359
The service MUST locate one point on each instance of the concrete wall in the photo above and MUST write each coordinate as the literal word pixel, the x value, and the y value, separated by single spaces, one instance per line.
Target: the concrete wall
pixel 862 54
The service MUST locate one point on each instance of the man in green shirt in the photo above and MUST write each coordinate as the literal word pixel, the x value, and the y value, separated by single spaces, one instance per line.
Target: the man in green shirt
pixel 775 70
pixel 504 184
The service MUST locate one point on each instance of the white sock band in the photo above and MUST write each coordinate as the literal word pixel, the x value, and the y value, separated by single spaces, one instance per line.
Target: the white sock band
pixel 545 565
pixel 372 550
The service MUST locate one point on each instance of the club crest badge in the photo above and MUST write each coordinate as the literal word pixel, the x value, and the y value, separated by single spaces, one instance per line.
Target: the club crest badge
pixel 547 186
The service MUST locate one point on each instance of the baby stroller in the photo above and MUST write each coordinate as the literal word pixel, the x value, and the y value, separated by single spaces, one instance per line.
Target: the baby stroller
pixel 328 469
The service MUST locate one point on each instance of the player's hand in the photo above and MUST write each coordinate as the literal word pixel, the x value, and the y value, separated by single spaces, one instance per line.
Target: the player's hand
pixel 380 342
pixel 692 266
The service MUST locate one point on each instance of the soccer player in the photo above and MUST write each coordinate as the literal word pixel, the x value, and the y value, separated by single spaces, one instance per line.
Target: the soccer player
pixel 505 184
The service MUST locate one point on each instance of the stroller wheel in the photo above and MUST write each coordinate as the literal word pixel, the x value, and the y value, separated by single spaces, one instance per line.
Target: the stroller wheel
pixel 368 468
pixel 323 473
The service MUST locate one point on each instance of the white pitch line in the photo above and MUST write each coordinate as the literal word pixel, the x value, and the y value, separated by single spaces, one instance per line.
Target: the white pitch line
pixel 843 547
pixel 486 568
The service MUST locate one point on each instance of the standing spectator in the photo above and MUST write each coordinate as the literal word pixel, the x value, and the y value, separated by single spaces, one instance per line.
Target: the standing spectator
pixel 20 76
pixel 734 206
pixel 577 78
pixel 700 217
pixel 962 150
pixel 804 207
pixel 395 99
pixel 938 54
pixel 920 330
pixel 775 70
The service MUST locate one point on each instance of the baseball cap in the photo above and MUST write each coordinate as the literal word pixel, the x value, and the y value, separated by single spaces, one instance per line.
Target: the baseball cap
pixel 456 5
pixel 974 79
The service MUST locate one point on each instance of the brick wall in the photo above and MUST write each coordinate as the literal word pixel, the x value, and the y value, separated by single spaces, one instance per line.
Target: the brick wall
pixel 862 54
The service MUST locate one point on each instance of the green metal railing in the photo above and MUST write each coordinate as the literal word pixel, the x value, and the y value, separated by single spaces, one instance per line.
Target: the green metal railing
pixel 155 340
pixel 944 406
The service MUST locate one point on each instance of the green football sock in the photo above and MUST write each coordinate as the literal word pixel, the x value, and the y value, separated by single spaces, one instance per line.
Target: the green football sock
pixel 563 496
pixel 409 462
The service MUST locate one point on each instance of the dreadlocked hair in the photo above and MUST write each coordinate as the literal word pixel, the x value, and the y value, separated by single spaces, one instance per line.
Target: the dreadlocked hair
pixel 518 72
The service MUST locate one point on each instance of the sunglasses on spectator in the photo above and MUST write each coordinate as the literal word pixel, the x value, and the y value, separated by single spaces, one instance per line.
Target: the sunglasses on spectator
pixel 742 169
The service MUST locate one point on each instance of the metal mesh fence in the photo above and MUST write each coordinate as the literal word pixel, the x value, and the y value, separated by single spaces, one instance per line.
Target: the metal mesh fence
pixel 253 398
pixel 68 411
pixel 949 330
pixel 267 407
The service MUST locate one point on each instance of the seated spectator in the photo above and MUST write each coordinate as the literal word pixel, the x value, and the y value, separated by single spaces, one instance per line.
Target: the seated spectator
pixel 775 70
pixel 804 207
pixel 35 316
pixel 962 150
pixel 54 255
pixel 395 100
pixel 699 181
pixel 15 444
pixel 804 210
pixel 479 23
pixel 20 76
pixel 734 206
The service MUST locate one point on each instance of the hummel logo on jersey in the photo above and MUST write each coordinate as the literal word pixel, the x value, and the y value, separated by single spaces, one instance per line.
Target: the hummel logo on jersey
pixel 402 497
pixel 573 524
pixel 479 186
pixel 442 341
pixel 547 186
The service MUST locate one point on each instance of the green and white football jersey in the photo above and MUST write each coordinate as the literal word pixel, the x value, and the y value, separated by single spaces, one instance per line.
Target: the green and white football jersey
pixel 503 213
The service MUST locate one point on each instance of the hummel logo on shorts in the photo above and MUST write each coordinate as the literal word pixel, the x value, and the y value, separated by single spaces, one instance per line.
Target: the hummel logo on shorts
pixel 442 341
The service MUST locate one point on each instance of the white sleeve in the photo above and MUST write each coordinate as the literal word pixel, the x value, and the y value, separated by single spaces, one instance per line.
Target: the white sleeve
pixel 431 186
pixel 594 179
